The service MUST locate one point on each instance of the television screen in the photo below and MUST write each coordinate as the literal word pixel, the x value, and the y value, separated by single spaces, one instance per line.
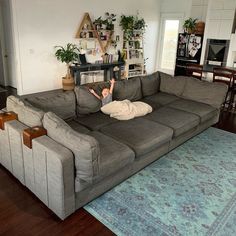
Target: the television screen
pixel 216 52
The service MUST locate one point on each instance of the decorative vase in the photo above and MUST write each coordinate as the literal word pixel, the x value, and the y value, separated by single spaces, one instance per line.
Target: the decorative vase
pixel 68 84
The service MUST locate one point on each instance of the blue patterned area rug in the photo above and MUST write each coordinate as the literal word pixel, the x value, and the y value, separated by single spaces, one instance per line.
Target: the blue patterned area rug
pixel 190 191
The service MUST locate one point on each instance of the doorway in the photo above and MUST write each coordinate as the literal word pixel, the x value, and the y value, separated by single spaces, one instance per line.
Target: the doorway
pixel 170 26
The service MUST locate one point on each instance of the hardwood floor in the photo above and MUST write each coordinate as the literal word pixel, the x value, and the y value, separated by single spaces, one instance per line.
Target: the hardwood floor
pixel 21 213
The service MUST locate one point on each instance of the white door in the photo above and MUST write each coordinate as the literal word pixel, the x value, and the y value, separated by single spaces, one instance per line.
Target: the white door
pixel 168 44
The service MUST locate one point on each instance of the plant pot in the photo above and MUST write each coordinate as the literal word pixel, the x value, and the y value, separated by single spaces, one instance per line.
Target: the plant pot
pixel 68 84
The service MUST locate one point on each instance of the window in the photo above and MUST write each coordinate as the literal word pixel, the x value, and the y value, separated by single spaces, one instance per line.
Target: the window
pixel 169 45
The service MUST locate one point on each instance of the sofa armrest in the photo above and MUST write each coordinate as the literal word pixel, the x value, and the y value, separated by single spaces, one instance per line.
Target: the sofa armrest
pixel 54 175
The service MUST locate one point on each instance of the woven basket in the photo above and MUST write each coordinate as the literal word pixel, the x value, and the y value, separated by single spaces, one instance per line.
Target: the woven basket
pixel 68 84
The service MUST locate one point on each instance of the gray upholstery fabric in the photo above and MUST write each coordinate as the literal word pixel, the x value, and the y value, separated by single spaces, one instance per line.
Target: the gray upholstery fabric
pixel 140 134
pixel 54 176
pixel 204 111
pixel 152 102
pixel 86 102
pixel 179 121
pixel 150 84
pixel 160 99
pixel 62 103
pixel 95 121
pixel 114 157
pixel 128 89
pixel 85 148
pixel 206 92
pixel 172 85
pixel 15 131
pixel 27 114
pixel 93 191
pixel 98 86
pixel 5 151
pixel 77 127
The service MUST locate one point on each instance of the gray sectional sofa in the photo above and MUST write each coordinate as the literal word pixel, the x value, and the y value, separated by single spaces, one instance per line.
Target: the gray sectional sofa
pixel 85 153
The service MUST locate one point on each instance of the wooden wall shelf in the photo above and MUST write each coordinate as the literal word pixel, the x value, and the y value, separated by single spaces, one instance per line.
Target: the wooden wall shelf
pixel 87 31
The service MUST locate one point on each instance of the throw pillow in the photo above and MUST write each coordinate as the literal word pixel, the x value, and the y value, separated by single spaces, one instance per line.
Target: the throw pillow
pixel 27 114
pixel 128 89
pixel 86 102
pixel 172 85
pixel 84 147
pixel 209 93
pixel 150 84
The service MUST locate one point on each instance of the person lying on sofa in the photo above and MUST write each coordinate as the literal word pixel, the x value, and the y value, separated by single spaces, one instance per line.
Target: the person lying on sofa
pixel 106 93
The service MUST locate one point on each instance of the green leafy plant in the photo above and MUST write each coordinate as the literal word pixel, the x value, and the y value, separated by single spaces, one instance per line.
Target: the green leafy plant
pixel 190 25
pixel 67 54
pixel 109 20
pixel 131 23
pixel 98 22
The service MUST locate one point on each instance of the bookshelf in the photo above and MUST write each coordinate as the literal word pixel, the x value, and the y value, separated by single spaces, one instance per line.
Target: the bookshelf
pixel 133 53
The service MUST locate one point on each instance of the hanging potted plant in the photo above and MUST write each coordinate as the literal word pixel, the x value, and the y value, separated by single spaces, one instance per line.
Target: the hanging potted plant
pixel 190 25
pixel 131 23
pixel 67 55
pixel 127 25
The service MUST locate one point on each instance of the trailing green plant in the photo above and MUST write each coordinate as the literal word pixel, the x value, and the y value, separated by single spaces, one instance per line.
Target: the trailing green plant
pixel 190 25
pixel 67 54
pixel 131 23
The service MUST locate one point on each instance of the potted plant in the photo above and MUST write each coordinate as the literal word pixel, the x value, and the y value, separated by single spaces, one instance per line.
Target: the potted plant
pixel 131 23
pixel 190 25
pixel 98 23
pixel 109 20
pixel 67 54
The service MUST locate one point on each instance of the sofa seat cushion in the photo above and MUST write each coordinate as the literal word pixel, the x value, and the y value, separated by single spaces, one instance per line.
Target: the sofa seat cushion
pixel 204 111
pixel 160 99
pixel 95 121
pixel 60 102
pixel 113 154
pixel 179 121
pixel 140 134
pixel 77 127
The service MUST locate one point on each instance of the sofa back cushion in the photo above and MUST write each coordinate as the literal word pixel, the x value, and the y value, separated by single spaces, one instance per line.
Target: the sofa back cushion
pixel 27 114
pixel 60 102
pixel 84 147
pixel 172 84
pixel 150 84
pixel 86 102
pixel 128 89
pixel 209 93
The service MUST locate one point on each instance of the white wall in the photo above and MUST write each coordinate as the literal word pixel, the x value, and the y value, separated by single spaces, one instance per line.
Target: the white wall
pixel 39 25
pixel 219 22
pixel 199 9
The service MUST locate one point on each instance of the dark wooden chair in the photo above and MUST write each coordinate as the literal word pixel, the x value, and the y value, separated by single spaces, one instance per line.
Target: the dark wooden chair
pixel 194 70
pixel 226 76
